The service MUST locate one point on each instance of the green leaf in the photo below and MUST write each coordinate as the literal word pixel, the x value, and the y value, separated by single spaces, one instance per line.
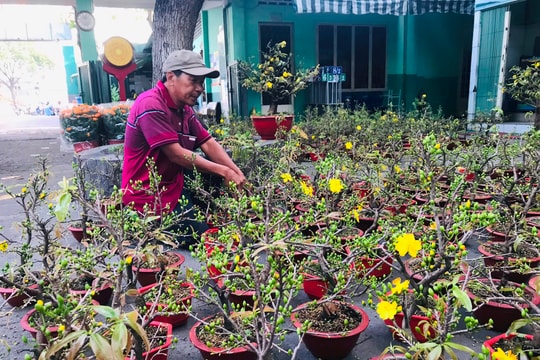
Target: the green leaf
pixel 106 311
pixel 460 347
pixel 435 354
pixel 119 340
pixel 62 206
pixel 518 324
pixel 130 319
pixel 462 297
pixel 60 344
pixel 100 346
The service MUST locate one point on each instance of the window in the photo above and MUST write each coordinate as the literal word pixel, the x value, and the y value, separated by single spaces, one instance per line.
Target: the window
pixel 270 34
pixel 360 50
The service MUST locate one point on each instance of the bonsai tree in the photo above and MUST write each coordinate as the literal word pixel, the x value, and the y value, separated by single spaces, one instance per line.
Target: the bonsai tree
pixel 274 75
pixel 524 86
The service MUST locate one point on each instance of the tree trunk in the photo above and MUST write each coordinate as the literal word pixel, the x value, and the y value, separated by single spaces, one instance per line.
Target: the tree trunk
pixel 272 109
pixel 173 29
pixel 537 115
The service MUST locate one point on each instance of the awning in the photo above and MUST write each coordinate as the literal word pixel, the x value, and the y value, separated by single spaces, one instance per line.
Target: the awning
pixel 385 7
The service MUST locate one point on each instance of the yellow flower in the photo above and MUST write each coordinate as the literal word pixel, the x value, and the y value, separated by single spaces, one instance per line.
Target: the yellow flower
pixel 269 84
pixel 39 302
pixel 61 328
pixel 437 146
pixel 387 310
pixel 358 127
pixel 3 246
pixel 42 195
pixel 335 185
pixel 468 204
pixel 222 120
pixel 129 259
pixel 537 64
pixel 501 355
pixel 397 169
pixel 399 286
pixel 283 44
pixel 24 189
pixel 433 226
pixel 406 243
pixel 286 177
pixel 286 74
pixel 348 145
pixel 356 212
pixel 306 189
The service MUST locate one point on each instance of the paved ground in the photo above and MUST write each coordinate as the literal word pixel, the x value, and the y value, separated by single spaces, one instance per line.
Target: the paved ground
pixel 22 141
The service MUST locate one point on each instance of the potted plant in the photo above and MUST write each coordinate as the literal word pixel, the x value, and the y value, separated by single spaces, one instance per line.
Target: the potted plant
pixel 274 77
pixel 80 125
pixel 114 122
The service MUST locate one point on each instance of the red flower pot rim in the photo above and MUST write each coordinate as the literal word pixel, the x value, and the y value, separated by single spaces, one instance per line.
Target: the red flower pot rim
pixel 213 350
pixel 180 260
pixel 153 352
pixel 482 249
pixel 494 340
pixel 535 299
pixel 357 330
pixel 25 323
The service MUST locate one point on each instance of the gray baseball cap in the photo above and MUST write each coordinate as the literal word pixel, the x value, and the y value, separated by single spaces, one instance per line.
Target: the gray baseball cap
pixel 189 62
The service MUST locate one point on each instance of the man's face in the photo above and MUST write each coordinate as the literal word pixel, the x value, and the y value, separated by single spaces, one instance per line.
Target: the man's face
pixel 185 89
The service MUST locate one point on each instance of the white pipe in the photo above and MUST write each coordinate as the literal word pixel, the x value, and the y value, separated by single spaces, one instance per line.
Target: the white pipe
pixel 475 56
pixel 504 58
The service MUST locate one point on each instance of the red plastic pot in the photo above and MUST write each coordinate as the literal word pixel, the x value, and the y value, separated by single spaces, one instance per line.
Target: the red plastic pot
pixel 147 276
pixel 416 321
pixel 25 324
pixel 216 353
pixel 14 298
pixel 331 346
pixel 491 344
pixel 502 314
pixel 267 126
pixel 175 319
pixel 314 286
pixel 101 295
pixel 159 352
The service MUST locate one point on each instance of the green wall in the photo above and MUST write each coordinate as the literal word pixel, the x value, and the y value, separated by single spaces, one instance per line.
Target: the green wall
pixel 424 53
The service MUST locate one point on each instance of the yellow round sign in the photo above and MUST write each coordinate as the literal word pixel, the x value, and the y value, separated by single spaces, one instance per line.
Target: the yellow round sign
pixel 118 51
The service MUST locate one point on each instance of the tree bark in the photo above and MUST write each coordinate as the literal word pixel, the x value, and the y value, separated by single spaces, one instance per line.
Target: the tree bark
pixel 173 29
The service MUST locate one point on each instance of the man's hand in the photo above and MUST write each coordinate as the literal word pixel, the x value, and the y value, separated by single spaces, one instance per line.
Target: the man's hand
pixel 236 178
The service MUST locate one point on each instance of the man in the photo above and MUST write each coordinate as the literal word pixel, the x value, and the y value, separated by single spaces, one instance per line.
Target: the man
pixel 162 126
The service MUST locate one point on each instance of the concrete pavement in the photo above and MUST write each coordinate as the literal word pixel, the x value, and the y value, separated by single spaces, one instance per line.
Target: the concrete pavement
pixel 22 141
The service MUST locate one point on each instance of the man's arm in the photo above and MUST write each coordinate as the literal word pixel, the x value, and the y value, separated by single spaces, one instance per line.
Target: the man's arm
pixel 216 153
pixel 188 159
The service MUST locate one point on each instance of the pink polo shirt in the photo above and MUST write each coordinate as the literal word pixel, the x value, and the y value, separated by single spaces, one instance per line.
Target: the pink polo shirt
pixel 154 120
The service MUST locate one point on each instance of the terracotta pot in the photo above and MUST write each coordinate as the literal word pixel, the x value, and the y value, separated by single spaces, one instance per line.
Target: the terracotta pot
pixel 14 298
pixel 314 286
pixel 377 267
pixel 495 261
pixel 216 353
pixel 501 314
pixel 147 276
pixel 495 235
pixel 25 324
pixel 160 352
pixel 416 321
pixel 101 295
pixel 175 319
pixel 331 346
pixel 533 221
pixel 491 344
pixel 77 232
pixel 267 126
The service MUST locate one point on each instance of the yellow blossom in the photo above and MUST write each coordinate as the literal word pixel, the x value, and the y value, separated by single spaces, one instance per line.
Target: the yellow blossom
pixel 358 127
pixel 269 84
pixel 42 195
pixel 501 355
pixel 387 310
pixel 24 189
pixel 537 64
pixel 283 44
pixel 129 259
pixel 3 246
pixel 222 120
pixel 51 205
pixel 433 226
pixel 348 145
pixel 312 137
pixel 286 74
pixel 356 212
pixel 306 188
pixel 468 204
pixel 39 302
pixel 390 137
pixel 406 243
pixel 61 328
pixel 397 169
pixel 399 286
pixel 286 177
pixel 335 185
pixel 437 146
